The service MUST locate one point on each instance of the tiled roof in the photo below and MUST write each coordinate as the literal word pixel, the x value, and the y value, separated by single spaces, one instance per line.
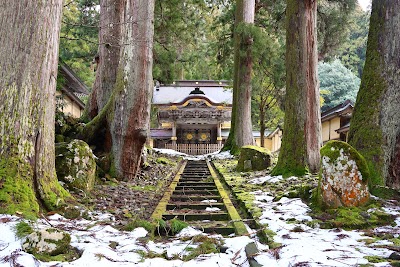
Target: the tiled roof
pixel 337 110
pixel 73 83
pixel 176 94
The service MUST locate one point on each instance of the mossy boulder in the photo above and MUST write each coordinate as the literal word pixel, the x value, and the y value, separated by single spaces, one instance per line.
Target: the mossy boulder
pixel 75 165
pixel 48 241
pixel 343 177
pixel 253 158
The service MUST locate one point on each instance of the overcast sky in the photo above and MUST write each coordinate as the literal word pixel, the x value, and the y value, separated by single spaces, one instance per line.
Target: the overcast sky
pixel 364 3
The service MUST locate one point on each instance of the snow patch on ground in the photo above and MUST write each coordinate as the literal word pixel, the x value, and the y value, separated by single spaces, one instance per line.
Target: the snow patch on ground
pixel 268 178
pixel 215 155
pixel 303 244
pixel 94 241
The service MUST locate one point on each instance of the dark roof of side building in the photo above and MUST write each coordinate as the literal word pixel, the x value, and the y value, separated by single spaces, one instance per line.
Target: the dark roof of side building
pixel 344 109
pixel 73 82
pixel 73 86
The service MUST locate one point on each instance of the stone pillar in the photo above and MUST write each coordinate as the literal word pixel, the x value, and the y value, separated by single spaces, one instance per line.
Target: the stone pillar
pixel 219 134
pixel 174 138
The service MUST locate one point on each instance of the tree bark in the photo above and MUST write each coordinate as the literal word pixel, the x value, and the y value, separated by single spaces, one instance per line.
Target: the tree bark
pixel 111 25
pixel 375 125
pixel 230 142
pixel 131 118
pixel 243 127
pixel 127 111
pixel 29 34
pixel 302 127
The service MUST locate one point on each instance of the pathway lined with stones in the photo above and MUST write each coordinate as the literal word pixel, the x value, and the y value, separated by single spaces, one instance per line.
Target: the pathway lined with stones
pixel 197 197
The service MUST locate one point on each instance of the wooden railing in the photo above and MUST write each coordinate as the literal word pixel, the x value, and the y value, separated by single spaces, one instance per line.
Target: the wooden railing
pixel 195 149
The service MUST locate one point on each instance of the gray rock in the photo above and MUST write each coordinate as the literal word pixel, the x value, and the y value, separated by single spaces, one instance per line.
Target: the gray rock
pixel 49 241
pixel 75 165
pixel 394 256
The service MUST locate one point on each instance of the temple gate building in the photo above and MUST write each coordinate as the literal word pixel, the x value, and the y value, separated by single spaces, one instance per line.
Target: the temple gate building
pixel 193 116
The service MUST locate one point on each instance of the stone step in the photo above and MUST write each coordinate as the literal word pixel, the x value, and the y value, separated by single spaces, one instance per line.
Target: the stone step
pixel 197 206
pixel 199 216
pixel 210 227
pixel 193 198
pixel 196 184
pixel 190 191
pixel 189 174
pixel 205 187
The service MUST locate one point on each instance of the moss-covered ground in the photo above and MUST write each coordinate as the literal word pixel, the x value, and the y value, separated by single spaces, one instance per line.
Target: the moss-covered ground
pixel 364 217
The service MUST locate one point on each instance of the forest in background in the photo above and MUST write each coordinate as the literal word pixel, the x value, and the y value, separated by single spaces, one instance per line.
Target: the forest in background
pixel 194 40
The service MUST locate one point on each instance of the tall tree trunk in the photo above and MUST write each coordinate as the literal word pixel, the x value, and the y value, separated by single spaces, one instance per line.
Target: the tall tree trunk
pixel 241 128
pixel 111 25
pixel 131 119
pixel 375 125
pixel 29 32
pixel 302 128
pixel 230 142
pixel 127 112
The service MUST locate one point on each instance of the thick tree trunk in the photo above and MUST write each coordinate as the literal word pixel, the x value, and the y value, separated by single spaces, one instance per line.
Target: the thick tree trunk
pixel 302 128
pixel 127 111
pixel 375 125
pixel 230 142
pixel 29 32
pixel 134 87
pixel 111 25
pixel 243 127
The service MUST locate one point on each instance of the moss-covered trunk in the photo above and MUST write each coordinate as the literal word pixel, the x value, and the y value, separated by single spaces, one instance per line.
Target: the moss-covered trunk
pixel 28 71
pixel 230 142
pixel 375 125
pixel 302 128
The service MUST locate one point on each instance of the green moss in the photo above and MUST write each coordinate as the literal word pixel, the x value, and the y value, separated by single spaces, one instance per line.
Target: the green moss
pixel 53 195
pixel 22 229
pixel 16 188
pixel 75 165
pixel 164 161
pixel 365 134
pixel 385 192
pixel 177 225
pixel 260 158
pixel 207 245
pixel 353 217
pixel 71 212
pixel 71 255
pixel 62 244
pixel 146 188
pixel 135 223
pixel 375 259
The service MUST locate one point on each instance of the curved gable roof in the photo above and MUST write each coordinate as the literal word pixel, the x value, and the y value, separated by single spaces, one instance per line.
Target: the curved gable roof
pixel 178 94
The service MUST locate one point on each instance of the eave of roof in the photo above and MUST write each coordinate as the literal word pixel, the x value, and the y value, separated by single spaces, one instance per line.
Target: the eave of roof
pixel 345 128
pixel 337 111
pixel 79 85
pixel 73 97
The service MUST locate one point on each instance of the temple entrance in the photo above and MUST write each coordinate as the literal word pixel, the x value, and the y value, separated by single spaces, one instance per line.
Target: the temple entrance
pixel 197 135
